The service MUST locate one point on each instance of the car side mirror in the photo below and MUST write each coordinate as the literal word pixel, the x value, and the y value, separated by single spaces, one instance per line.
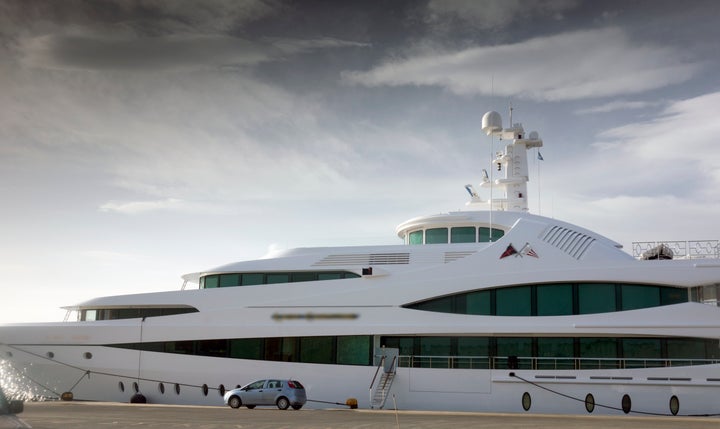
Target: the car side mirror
pixel 16 407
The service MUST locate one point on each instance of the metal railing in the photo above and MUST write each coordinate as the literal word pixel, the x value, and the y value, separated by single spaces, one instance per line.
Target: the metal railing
pixel 541 363
pixel 696 249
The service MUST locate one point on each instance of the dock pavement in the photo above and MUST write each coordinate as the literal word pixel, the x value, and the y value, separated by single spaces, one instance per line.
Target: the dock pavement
pixel 66 415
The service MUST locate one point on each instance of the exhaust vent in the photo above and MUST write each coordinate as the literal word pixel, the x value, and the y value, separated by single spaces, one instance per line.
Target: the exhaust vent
pixel 569 241
pixel 364 259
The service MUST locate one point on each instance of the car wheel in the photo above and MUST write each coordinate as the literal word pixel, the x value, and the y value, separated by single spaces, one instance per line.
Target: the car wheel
pixel 250 407
pixel 296 407
pixel 283 403
pixel 234 402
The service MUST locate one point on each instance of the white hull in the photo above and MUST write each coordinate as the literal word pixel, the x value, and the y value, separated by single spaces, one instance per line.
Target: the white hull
pixel 551 391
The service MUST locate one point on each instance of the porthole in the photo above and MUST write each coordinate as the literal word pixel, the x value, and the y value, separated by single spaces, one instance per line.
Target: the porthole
pixel 177 389
pixel 205 389
pixel 87 355
pixel 221 390
pixel 161 388
pixel 526 401
pixel 590 403
pixel 136 388
pixel 626 403
pixel 674 405
pixel 50 355
pixel 121 386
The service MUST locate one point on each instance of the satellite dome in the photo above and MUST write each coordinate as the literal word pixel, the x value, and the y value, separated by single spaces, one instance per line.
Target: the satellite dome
pixel 491 122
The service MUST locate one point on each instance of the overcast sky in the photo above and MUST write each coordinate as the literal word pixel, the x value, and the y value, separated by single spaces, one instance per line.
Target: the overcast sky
pixel 141 140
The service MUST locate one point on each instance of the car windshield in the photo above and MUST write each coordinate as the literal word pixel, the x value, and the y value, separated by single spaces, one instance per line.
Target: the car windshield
pixel 256 385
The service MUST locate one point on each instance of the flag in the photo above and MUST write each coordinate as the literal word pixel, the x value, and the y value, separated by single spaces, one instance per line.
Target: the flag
pixel 540 156
pixel 508 252
pixel 529 251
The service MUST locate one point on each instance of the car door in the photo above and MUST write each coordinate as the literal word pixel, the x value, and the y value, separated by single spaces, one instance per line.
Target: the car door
pixel 272 390
pixel 253 392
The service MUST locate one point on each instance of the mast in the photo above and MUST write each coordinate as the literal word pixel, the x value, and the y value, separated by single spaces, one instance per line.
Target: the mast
pixel 512 162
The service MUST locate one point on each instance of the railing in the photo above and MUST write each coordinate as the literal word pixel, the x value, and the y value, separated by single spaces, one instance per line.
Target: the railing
pixel 377 370
pixel 541 363
pixel 700 249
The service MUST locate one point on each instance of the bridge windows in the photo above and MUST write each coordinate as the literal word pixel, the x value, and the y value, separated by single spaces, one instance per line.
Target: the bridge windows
pixel 458 234
pixel 556 299
pixel 213 281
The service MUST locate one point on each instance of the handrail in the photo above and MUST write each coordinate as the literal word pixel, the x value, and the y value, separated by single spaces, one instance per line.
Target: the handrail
pixel 372 383
pixel 691 249
pixel 550 363
pixel 392 364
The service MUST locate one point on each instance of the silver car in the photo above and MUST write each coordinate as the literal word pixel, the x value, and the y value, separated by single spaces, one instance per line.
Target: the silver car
pixel 283 393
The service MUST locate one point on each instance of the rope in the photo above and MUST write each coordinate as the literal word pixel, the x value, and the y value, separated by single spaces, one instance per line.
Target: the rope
pixel 109 374
pixel 610 407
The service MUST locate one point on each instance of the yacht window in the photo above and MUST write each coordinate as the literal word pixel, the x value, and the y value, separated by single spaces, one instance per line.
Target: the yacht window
pixel 229 280
pixel 475 346
pixel 273 278
pixel 515 347
pixel 605 350
pixel 479 302
pixel 304 277
pixel 250 279
pixel 514 301
pixel 596 298
pixel 554 300
pixel 415 237
pixel 246 348
pixel 328 276
pixel 353 350
pixel 316 349
pixel 463 234
pixel 669 295
pixel 554 348
pixel 638 350
pixel 685 348
pixel 436 236
pixel 211 282
pixel 484 234
pixel 638 296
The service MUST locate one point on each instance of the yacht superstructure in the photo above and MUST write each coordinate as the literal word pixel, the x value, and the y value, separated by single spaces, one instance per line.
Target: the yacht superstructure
pixel 487 309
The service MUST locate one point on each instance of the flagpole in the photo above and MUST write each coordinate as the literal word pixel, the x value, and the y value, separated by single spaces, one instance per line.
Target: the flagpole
pixel 537 160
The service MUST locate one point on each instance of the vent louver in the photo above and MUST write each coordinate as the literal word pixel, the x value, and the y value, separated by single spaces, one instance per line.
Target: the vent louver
pixel 364 259
pixel 571 242
pixel 454 256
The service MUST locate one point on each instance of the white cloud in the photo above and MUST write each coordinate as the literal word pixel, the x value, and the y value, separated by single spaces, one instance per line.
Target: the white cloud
pixel 567 66
pixel 614 106
pixel 685 131
pixel 135 207
pixel 635 177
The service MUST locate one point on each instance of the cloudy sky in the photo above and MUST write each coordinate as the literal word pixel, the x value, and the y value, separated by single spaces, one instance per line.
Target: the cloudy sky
pixel 140 140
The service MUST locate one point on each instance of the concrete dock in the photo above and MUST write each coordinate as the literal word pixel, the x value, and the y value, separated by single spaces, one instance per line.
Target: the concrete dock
pixel 61 415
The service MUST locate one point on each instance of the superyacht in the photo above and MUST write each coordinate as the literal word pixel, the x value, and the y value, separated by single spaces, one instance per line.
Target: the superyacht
pixel 490 308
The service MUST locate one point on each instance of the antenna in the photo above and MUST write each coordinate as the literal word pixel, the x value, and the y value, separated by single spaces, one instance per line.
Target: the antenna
pixel 511 110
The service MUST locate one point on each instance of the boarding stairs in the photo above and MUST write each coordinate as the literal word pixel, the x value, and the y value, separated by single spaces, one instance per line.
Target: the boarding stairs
pixel 379 391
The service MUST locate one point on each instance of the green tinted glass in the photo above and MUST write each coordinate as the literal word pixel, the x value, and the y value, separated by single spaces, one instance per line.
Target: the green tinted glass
pixel 436 236
pixel 463 234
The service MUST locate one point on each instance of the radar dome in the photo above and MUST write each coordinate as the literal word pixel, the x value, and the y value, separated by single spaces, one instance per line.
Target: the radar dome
pixel 491 122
